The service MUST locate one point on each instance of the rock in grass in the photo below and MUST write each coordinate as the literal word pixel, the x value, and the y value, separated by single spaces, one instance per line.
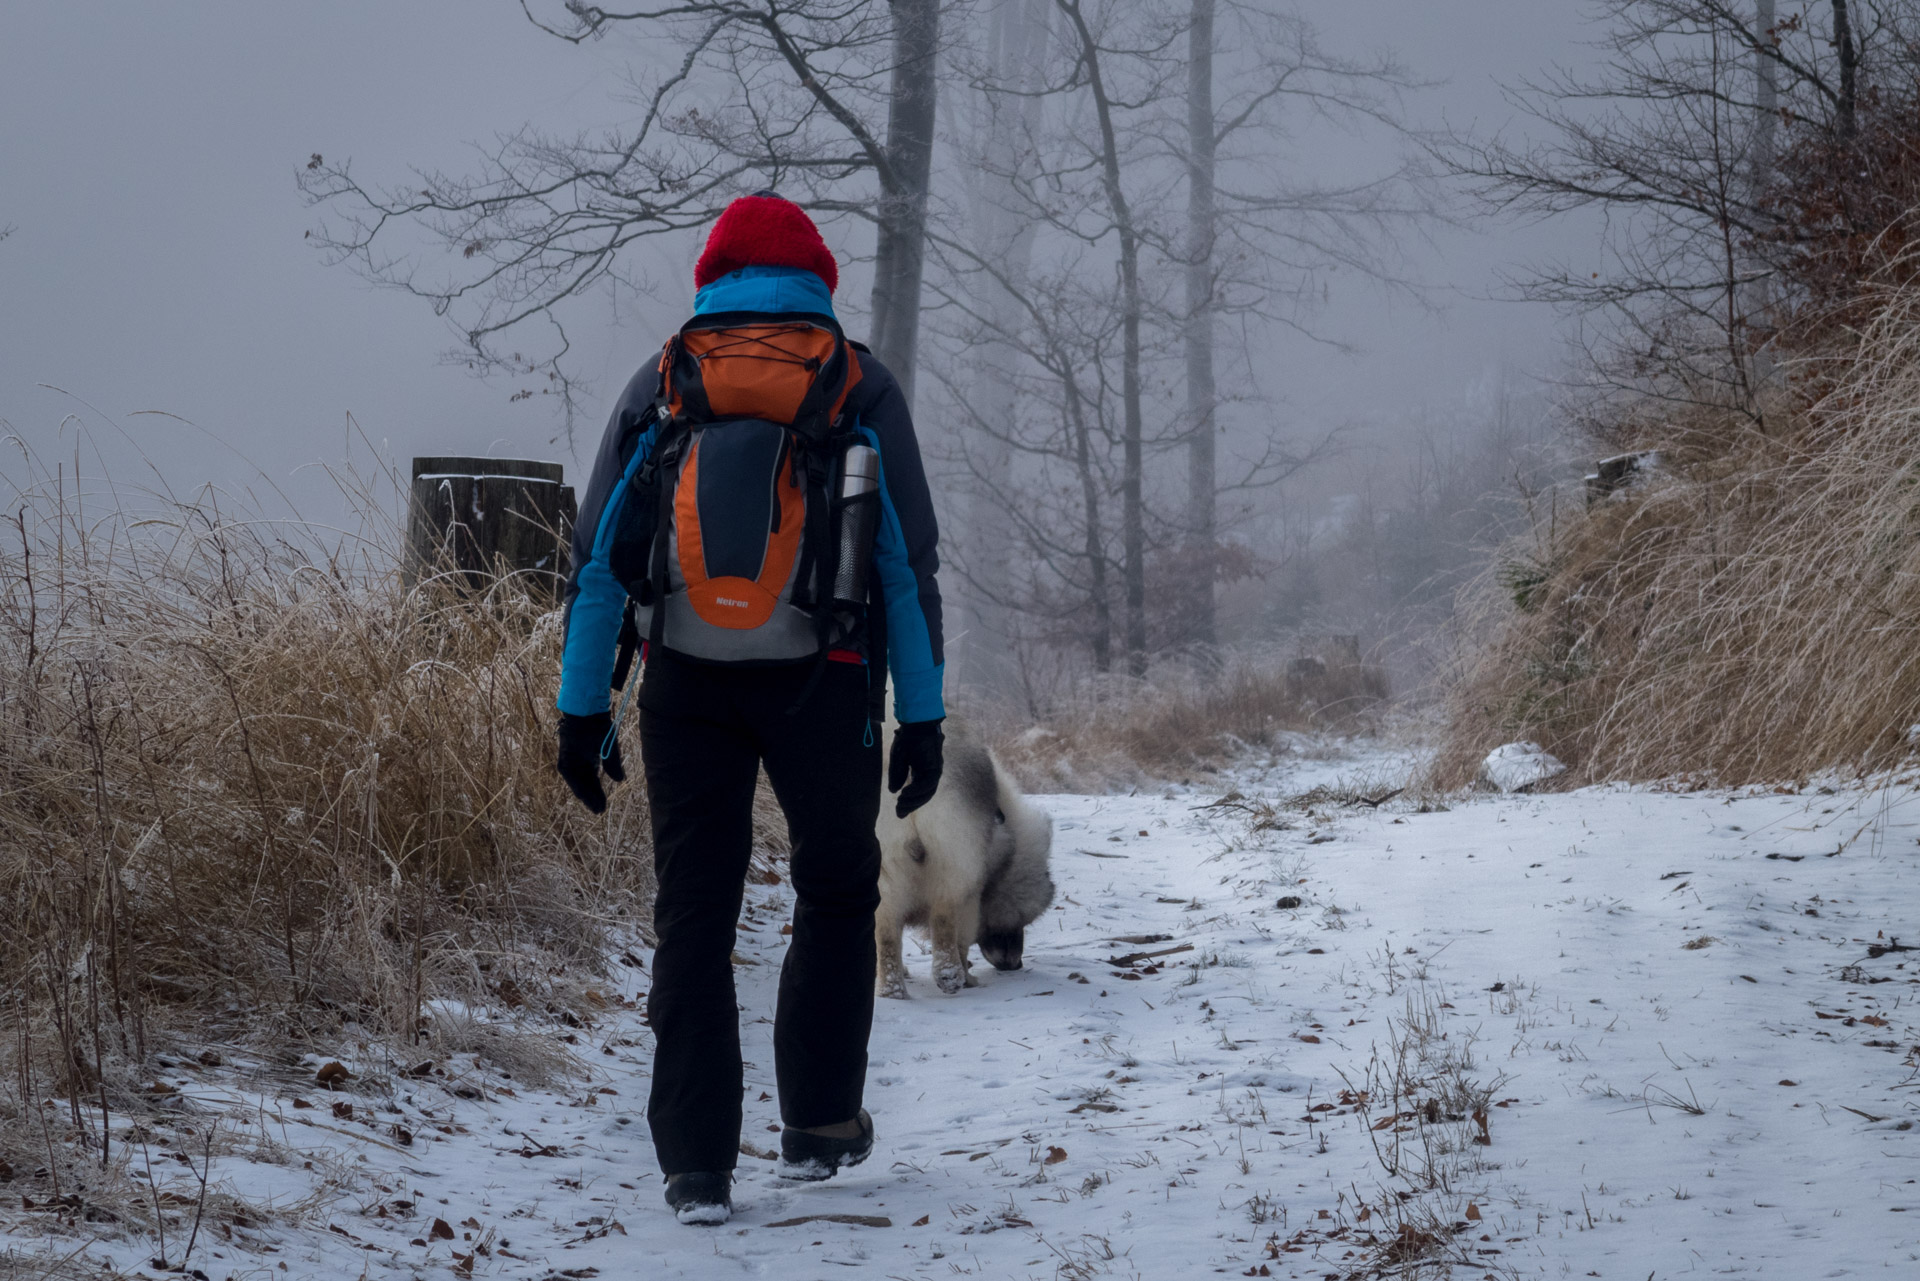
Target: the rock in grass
pixel 1518 767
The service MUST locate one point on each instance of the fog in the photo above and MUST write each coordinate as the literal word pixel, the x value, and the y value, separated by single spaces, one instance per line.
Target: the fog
pixel 164 313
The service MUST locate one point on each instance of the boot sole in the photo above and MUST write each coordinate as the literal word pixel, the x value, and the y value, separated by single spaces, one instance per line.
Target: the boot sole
pixel 818 1169
pixel 702 1215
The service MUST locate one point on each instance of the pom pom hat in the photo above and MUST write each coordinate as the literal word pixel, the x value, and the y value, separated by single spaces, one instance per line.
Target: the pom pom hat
pixel 764 230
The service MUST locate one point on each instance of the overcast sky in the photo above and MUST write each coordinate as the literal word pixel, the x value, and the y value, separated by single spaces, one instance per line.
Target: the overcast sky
pixel 148 161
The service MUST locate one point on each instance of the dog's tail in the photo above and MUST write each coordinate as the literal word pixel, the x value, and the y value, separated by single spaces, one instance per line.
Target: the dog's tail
pixel 1029 827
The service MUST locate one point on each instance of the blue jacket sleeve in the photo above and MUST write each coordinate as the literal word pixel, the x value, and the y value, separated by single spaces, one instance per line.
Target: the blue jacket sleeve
pixel 906 549
pixel 595 599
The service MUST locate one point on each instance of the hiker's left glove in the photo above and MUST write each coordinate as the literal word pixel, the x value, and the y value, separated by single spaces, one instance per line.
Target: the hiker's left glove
pixel 580 763
pixel 916 752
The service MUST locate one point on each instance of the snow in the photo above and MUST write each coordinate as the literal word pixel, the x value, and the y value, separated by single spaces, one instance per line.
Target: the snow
pixel 1656 1105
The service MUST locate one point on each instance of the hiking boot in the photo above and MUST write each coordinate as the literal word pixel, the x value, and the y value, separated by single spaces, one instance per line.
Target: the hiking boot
pixel 810 1157
pixel 702 1197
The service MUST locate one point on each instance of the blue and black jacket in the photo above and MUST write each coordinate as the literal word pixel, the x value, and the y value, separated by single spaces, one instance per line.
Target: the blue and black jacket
pixel 906 545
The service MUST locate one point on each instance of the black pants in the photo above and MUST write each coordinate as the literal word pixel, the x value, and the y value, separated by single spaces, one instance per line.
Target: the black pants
pixel 704 731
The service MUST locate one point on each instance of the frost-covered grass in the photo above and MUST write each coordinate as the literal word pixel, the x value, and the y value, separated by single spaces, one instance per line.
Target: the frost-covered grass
pixel 1745 610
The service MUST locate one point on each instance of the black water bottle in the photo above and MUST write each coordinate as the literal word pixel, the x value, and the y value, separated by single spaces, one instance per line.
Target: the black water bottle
pixel 859 514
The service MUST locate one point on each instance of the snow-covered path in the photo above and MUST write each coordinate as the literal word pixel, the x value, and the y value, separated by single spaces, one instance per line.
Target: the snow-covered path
pixel 1739 1107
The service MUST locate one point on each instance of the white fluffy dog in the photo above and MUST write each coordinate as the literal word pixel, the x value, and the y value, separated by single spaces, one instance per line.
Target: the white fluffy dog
pixel 970 865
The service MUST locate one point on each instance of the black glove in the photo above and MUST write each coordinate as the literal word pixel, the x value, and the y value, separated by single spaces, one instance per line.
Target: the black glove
pixel 916 751
pixel 580 763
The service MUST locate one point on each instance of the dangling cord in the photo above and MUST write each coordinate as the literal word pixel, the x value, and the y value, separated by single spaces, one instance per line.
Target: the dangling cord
pixel 612 740
pixel 867 740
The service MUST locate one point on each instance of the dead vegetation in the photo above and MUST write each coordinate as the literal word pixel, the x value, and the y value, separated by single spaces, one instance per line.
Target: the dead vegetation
pixel 261 797
pixel 1747 610
pixel 1427 1113
pixel 1186 717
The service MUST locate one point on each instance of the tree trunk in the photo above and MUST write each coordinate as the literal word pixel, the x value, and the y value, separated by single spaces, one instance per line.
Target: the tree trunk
pixel 1766 102
pixel 1849 61
pixel 1201 484
pixel 1133 527
pixel 901 245
pixel 1017 35
pixel 1096 543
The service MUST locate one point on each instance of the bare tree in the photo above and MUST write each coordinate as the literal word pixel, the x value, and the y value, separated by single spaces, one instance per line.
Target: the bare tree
pixel 1261 245
pixel 1202 482
pixel 1042 476
pixel 1676 139
pixel 1004 118
pixel 1097 187
pixel 831 100
pixel 1090 72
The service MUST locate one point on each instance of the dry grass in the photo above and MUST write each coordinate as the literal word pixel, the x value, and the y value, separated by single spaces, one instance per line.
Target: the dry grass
pixel 1749 612
pixel 256 792
pixel 1185 717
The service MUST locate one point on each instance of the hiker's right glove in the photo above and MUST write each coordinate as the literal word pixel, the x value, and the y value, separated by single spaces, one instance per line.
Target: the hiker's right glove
pixel 580 763
pixel 916 751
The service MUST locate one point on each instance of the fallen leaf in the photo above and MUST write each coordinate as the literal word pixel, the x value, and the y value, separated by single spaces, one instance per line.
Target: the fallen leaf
pixel 1055 1156
pixel 333 1075
pixel 1310 1039
pixel 922 1221
pixel 857 1220
pixel 441 1230
pixel 1473 1212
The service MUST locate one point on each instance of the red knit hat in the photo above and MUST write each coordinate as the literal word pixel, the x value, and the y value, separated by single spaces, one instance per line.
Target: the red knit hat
pixel 765 230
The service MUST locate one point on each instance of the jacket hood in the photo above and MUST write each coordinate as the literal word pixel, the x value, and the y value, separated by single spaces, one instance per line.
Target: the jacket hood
pixel 774 289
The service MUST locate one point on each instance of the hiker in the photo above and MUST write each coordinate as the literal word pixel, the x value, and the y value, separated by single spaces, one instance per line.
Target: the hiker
pixel 741 533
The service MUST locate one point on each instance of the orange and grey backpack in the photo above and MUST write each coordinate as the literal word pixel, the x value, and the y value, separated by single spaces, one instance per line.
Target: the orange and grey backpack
pixel 729 539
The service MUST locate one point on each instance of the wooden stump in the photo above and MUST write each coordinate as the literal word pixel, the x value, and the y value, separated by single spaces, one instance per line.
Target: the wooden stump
pixel 481 518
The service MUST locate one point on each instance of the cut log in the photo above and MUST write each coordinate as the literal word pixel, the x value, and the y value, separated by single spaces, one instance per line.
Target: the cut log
pixel 475 520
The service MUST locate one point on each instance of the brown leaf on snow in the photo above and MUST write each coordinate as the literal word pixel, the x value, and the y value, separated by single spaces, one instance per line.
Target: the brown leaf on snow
pixel 1310 1039
pixel 1055 1156
pixel 1473 1212
pixel 333 1075
pixel 922 1221
pixel 441 1231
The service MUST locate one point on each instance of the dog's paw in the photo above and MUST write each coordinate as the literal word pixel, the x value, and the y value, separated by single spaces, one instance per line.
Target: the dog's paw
pixel 893 989
pixel 950 978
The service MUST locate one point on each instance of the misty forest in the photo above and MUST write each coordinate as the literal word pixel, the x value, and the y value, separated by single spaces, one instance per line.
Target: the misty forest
pixel 1422 633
